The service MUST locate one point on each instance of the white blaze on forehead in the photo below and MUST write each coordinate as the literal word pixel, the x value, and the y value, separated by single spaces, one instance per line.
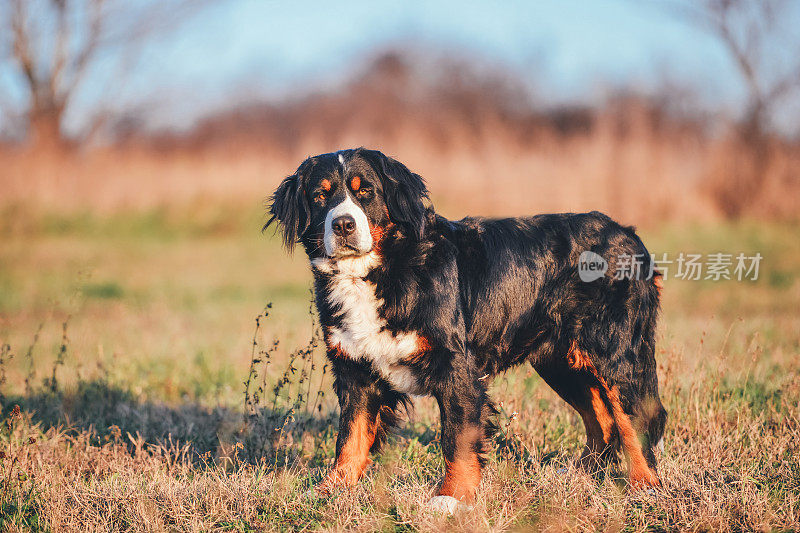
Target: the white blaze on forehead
pixel 363 237
pixel 341 159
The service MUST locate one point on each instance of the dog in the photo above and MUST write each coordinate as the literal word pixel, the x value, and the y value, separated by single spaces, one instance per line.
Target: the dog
pixel 411 303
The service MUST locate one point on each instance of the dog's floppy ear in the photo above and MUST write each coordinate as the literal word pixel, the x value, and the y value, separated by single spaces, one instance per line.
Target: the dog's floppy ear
pixel 289 207
pixel 404 191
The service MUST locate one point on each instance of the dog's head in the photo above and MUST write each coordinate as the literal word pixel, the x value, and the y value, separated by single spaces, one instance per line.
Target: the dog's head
pixel 339 204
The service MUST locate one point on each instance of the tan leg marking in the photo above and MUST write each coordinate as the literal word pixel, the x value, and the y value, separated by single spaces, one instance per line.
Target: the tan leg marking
pixel 639 472
pixel 641 475
pixel 578 360
pixel 354 457
pixel 601 413
pixel 463 474
pixel 599 431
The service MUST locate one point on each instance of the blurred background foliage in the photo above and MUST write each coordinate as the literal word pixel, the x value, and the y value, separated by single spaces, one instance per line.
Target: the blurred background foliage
pixel 665 110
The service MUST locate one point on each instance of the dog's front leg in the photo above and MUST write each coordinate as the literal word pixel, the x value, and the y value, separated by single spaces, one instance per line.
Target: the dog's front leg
pixel 367 411
pixel 465 409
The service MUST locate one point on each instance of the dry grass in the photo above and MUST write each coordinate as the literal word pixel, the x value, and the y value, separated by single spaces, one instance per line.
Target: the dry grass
pixel 146 425
pixel 730 464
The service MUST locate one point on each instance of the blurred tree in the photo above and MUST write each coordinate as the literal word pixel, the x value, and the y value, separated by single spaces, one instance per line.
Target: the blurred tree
pixel 52 46
pixel 761 38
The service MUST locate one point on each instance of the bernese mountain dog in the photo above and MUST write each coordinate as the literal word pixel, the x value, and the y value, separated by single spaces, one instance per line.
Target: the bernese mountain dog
pixel 414 304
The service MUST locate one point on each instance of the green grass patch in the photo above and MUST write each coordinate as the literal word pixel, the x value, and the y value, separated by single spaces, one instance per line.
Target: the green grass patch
pixel 109 290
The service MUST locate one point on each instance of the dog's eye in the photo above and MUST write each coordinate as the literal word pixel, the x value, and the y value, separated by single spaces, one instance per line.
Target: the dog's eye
pixel 319 197
pixel 363 193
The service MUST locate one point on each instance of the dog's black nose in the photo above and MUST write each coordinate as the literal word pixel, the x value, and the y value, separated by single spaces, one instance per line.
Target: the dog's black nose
pixel 344 225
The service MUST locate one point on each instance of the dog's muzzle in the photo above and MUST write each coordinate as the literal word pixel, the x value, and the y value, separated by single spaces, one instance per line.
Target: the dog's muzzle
pixel 347 230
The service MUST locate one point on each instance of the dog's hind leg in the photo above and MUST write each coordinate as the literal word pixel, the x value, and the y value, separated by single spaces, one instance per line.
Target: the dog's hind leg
pixel 581 390
pixel 624 410
pixel 640 470
pixel 652 418
pixel 601 439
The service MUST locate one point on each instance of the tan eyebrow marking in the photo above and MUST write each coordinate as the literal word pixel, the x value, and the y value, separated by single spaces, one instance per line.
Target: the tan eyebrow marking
pixel 325 184
pixel 355 183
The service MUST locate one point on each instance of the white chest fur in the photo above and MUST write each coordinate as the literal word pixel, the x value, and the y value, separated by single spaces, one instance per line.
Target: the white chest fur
pixel 362 333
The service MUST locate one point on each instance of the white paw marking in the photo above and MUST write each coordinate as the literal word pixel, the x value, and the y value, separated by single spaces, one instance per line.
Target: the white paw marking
pixel 447 505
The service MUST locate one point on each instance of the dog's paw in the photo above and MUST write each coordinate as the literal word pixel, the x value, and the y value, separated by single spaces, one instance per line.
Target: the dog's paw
pixel 447 505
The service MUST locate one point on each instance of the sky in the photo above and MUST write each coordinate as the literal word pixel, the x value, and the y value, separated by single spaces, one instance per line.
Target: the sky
pixel 568 50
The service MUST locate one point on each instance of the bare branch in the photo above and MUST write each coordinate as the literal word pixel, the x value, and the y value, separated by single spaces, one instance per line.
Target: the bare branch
pixel 745 59
pixel 22 48
pixel 60 51
pixel 86 54
pixel 749 31
pixel 54 43
pixel 782 87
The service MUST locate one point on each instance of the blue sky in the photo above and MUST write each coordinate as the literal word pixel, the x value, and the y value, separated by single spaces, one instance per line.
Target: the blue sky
pixel 577 39
pixel 569 50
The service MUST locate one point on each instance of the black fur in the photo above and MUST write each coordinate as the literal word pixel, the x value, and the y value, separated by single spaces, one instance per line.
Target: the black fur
pixel 403 191
pixel 486 294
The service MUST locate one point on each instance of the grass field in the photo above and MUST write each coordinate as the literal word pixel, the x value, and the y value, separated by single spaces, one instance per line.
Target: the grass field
pixel 129 340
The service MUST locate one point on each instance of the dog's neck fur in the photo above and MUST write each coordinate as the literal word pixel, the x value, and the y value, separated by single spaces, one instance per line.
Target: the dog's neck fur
pixel 359 331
